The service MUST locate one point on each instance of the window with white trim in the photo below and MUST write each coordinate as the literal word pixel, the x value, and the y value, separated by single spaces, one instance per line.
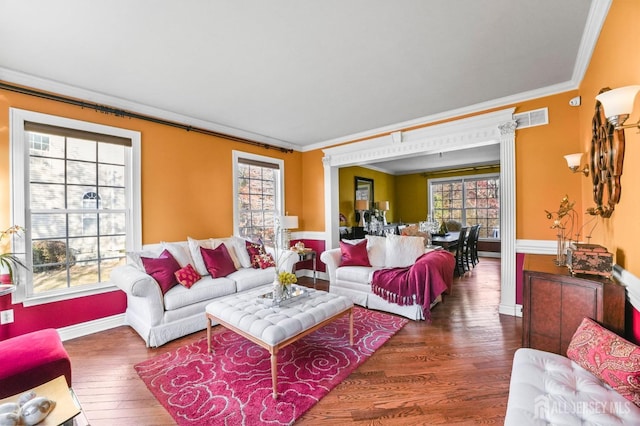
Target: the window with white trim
pixel 258 189
pixel 470 200
pixel 75 191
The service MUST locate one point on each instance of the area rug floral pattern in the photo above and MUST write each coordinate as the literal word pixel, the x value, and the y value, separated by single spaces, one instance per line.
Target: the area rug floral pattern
pixel 232 386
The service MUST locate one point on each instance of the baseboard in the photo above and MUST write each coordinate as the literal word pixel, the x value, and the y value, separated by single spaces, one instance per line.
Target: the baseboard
pixel 309 273
pixel 512 310
pixel 90 327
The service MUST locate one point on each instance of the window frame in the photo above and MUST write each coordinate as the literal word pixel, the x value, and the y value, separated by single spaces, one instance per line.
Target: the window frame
pixel 19 186
pixel 236 156
pixel 462 180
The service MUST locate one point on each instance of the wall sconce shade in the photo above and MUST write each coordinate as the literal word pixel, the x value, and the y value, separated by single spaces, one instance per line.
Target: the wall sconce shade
pixel 618 105
pixel 383 205
pixel 573 161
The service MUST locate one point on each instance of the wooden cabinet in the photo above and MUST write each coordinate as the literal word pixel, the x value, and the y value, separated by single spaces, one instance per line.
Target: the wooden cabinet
pixel 554 304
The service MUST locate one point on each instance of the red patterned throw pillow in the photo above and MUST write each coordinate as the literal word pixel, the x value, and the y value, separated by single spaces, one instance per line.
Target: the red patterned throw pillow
pixel 607 356
pixel 218 261
pixel 354 254
pixel 260 259
pixel 187 276
pixel 265 261
pixel 162 269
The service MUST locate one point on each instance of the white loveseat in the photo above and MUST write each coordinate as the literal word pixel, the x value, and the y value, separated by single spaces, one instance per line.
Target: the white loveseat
pixel 383 252
pixel 159 318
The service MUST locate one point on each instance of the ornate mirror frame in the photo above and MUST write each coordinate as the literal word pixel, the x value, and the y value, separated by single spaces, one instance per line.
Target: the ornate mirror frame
pixel 606 160
pixel 363 190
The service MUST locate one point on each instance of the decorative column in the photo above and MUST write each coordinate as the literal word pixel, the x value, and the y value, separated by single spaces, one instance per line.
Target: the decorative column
pixel 508 218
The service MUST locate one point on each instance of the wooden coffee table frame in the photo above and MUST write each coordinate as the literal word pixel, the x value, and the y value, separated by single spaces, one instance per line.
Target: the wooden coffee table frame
pixel 273 349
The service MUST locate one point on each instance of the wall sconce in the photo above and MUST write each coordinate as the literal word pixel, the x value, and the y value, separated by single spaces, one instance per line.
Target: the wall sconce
pixel 362 206
pixel 573 161
pixel 618 105
pixel 383 206
pixel 288 222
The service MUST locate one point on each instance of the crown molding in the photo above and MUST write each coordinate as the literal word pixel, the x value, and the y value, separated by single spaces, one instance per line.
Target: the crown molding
pixel 470 132
pixel 34 82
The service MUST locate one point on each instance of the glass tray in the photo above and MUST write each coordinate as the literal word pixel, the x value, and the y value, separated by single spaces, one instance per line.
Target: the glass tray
pixel 297 293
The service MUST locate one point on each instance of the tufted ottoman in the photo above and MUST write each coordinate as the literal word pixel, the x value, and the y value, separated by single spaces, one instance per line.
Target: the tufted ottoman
pixel 276 327
pixel 547 388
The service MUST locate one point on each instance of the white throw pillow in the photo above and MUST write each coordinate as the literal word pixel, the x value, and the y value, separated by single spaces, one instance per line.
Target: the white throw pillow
pixel 196 255
pixel 376 247
pixel 241 251
pixel 231 249
pixel 134 258
pixel 179 252
pixel 403 250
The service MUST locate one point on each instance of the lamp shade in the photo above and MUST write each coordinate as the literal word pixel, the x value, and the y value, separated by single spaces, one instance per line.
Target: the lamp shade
pixel 618 101
pixel 290 222
pixel 573 160
pixel 362 205
pixel 383 205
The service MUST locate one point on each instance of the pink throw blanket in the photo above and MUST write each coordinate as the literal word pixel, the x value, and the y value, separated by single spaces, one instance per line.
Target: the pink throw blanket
pixel 421 283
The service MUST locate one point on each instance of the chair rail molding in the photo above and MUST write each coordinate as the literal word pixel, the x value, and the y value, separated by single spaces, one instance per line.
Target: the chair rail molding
pixel 496 127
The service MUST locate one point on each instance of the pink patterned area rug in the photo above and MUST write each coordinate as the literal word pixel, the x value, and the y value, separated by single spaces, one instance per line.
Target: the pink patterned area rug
pixel 232 386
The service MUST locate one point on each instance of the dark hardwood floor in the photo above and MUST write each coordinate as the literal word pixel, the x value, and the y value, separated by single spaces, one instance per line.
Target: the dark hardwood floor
pixel 452 371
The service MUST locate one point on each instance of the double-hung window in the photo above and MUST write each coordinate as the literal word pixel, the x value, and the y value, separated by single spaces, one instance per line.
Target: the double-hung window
pixel 258 189
pixel 76 191
pixel 472 200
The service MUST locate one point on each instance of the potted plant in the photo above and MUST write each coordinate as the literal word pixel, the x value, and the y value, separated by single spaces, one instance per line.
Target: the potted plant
pixel 8 260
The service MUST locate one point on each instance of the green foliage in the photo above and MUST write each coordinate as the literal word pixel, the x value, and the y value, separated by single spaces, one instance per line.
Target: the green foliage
pixel 52 254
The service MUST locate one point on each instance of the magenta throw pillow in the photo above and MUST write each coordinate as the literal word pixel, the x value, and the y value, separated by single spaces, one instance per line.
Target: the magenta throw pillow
pixel 162 269
pixel 218 261
pixel 188 276
pixel 607 356
pixel 354 254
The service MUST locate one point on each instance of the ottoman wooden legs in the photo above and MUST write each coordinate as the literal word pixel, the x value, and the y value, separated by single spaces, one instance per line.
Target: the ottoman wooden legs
pixel 273 349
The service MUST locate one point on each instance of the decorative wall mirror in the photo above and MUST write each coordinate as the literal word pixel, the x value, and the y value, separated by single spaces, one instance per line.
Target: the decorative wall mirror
pixel 363 190
pixel 606 160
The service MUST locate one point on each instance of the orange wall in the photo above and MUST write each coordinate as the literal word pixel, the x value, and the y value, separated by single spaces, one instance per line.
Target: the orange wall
pixel 186 176
pixel 616 63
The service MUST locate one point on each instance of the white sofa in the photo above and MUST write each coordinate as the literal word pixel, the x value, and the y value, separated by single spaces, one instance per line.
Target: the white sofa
pixel 159 318
pixel 548 388
pixel 355 281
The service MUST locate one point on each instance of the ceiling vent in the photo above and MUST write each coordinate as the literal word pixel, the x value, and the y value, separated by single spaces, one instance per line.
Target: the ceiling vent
pixel 537 117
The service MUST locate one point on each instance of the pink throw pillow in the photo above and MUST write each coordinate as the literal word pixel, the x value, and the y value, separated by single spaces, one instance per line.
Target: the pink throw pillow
pixel 218 261
pixel 354 254
pixel 162 269
pixel 187 276
pixel 607 356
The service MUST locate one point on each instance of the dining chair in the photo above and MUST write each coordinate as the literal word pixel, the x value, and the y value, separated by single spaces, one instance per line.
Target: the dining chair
pixel 469 244
pixel 475 259
pixel 460 259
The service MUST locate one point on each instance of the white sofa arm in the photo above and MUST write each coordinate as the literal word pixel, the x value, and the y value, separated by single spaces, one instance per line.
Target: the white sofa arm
pixel 133 281
pixel 332 258
pixel 286 258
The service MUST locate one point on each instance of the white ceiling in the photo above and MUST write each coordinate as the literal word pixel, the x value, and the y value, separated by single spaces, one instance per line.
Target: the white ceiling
pixel 299 73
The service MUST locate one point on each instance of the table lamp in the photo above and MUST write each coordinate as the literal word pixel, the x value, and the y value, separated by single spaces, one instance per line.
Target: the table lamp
pixel 362 206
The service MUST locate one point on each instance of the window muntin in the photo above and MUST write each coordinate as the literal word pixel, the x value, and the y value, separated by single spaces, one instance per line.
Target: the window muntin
pixel 473 200
pixel 81 203
pixel 258 189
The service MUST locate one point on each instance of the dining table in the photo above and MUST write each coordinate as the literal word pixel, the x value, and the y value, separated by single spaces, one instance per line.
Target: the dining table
pixel 448 241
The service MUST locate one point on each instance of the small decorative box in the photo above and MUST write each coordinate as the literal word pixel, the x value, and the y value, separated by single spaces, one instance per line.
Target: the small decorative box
pixel 589 259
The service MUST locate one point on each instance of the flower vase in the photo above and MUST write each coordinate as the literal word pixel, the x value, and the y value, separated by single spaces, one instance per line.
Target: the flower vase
pixel 277 291
pixel 561 255
pixel 286 291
